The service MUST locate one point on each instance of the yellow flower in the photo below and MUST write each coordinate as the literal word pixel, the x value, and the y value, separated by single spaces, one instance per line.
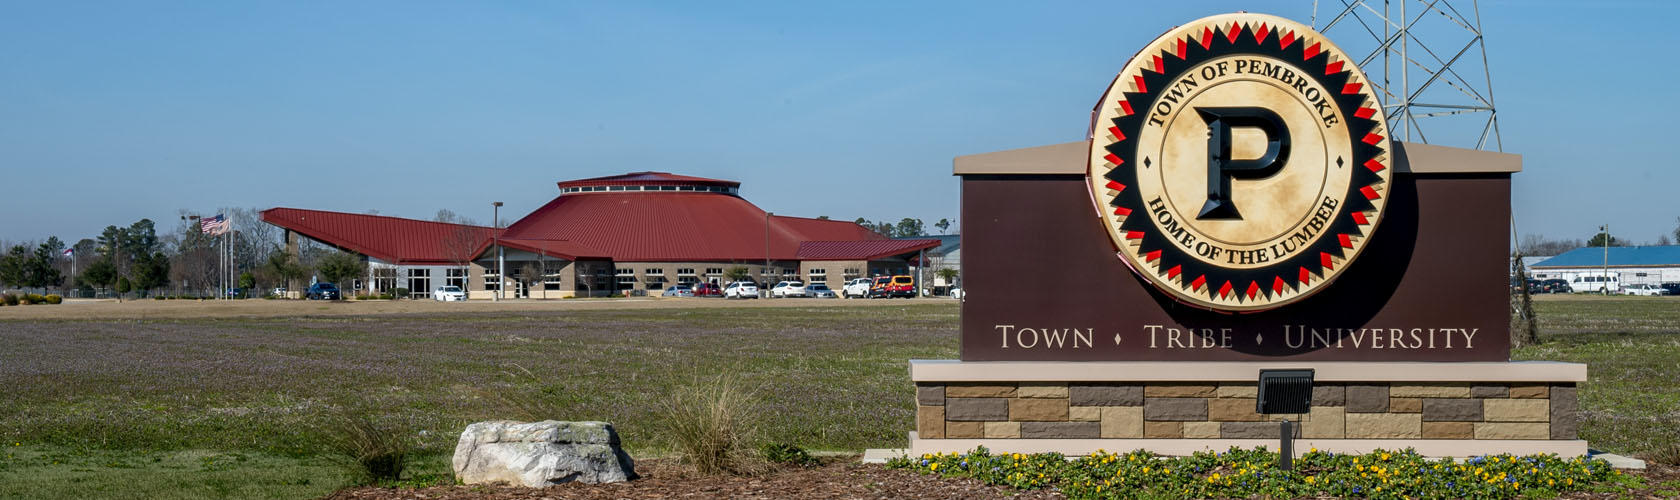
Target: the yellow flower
pixel 934 466
pixel 1385 456
pixel 1310 479
pixel 1312 450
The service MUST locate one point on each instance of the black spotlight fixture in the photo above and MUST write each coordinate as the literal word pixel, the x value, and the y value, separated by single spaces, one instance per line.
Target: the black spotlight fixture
pixel 1287 392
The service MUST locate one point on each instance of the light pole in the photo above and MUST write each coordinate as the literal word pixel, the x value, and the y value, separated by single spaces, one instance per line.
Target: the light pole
pixel 1605 231
pixel 763 276
pixel 496 237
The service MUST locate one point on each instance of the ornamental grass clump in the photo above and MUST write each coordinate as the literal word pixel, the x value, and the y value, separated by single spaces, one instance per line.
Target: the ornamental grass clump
pixel 374 452
pixel 1239 473
pixel 709 423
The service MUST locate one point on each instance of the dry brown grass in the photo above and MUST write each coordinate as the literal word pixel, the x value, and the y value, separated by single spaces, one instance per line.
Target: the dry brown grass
pixel 83 309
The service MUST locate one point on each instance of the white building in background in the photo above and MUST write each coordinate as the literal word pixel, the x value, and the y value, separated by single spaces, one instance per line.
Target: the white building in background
pixel 1652 265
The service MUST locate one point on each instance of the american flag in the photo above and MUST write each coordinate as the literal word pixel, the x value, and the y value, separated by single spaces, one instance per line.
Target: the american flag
pixel 213 225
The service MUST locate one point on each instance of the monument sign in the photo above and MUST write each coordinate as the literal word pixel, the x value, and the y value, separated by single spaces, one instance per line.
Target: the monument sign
pixel 1238 205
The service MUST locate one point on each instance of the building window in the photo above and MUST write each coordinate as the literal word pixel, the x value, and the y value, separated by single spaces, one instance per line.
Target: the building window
pixel 819 276
pixel 419 282
pixel 685 271
pixel 1639 274
pixel 456 278
pixel 712 272
pixel 851 273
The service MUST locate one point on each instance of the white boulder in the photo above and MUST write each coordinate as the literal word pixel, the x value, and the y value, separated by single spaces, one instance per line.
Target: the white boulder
pixel 539 454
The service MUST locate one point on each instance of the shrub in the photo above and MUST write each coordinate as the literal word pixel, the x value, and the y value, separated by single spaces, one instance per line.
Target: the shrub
pixel 1666 454
pixel 35 298
pixel 401 292
pixel 783 453
pixel 709 424
pixel 372 451
pixel 9 299
pixel 55 299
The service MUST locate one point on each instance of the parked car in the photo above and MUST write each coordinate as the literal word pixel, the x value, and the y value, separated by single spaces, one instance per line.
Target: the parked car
pixel 957 293
pixel 449 293
pixel 1555 285
pixel 901 286
pixel 1646 290
pixel 741 290
pixel 677 291
pixel 322 291
pixel 1673 288
pixel 857 287
pixel 707 290
pixel 878 287
pixel 278 292
pixel 819 290
pixel 788 289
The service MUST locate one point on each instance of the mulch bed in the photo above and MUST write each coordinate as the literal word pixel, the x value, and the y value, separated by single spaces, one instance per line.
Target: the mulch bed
pixel 841 478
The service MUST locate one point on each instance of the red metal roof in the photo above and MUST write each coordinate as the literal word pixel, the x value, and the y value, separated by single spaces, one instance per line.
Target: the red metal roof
pixel 390 239
pixel 553 248
pixel 861 250
pixel 668 226
pixel 625 226
pixel 647 179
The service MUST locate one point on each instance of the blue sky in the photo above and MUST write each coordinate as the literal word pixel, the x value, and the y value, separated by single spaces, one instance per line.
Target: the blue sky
pixel 113 111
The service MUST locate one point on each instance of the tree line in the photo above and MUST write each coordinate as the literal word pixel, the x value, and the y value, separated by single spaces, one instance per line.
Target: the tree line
pixel 1539 245
pixel 139 259
pixel 905 228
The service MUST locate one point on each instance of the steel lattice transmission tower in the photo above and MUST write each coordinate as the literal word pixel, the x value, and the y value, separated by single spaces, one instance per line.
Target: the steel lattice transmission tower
pixel 1428 61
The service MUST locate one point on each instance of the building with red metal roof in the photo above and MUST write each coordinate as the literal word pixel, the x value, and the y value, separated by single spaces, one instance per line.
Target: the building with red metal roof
pixel 636 231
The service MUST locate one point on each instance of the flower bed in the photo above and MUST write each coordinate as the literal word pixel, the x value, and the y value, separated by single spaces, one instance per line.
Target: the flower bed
pixel 1240 473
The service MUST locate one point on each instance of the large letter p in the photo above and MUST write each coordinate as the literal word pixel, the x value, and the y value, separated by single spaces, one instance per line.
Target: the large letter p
pixel 1221 168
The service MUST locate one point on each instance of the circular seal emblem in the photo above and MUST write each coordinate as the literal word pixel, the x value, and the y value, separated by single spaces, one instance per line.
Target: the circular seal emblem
pixel 1240 162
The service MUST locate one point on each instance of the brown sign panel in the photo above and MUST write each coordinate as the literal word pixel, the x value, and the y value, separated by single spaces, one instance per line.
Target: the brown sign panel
pixel 1043 282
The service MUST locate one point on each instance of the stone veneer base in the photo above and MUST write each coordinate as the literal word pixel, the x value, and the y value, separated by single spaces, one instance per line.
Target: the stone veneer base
pixel 1074 408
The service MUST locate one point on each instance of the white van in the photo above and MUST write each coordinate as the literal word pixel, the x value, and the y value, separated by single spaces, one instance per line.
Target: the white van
pixel 1596 282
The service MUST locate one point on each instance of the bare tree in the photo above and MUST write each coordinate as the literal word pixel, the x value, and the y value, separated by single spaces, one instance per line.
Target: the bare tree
pixel 460 246
pixel 530 274
pixel 197 256
pixel 253 238
pixel 1538 245
pixel 450 217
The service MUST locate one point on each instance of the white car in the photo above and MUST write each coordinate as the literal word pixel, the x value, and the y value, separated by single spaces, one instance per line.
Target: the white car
pixel 741 290
pixel 857 287
pixel 957 293
pixel 449 294
pixel 1646 290
pixel 788 289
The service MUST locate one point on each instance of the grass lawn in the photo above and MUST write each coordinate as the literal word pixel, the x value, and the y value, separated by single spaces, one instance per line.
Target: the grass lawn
pixel 241 407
